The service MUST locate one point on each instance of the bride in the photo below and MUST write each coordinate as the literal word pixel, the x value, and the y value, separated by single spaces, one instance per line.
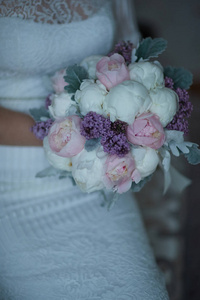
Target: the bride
pixel 55 241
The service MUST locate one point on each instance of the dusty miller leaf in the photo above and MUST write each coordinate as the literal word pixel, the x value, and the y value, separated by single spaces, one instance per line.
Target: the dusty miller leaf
pixel 182 78
pixel 75 75
pixel 175 142
pixel 109 199
pixel 50 171
pixel 112 201
pixel 64 174
pixel 178 148
pixel 39 114
pixel 193 156
pixel 92 144
pixel 150 48
pixel 165 158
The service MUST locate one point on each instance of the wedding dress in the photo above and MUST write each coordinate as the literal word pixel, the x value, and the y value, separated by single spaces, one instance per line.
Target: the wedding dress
pixel 55 241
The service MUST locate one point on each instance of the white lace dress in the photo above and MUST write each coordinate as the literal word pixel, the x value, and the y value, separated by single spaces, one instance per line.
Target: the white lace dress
pixel 56 242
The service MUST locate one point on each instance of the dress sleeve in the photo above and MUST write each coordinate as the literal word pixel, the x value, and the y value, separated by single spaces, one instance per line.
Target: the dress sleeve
pixel 127 28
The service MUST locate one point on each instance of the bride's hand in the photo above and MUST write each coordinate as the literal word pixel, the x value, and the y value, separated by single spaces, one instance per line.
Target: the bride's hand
pixel 15 129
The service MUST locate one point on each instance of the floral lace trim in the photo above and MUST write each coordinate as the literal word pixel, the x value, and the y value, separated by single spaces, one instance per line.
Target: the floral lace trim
pixel 50 11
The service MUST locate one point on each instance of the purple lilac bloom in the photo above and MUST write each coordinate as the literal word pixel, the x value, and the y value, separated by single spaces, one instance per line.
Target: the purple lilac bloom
pixel 115 141
pixel 169 83
pixel 124 49
pixel 94 125
pixel 180 121
pixel 113 134
pixel 115 144
pixel 119 126
pixel 41 129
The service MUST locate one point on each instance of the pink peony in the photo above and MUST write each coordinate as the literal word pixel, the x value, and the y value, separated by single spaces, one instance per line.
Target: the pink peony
pixel 146 131
pixel 65 138
pixel 120 173
pixel 112 70
pixel 59 82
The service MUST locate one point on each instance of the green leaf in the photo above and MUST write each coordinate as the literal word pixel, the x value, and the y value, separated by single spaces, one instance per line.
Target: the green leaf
pixel 50 171
pixel 109 199
pixel 73 181
pixel 136 187
pixel 92 144
pixel 150 48
pixel 72 98
pixel 75 75
pixel 193 156
pixel 64 174
pixel 112 201
pixel 182 78
pixel 39 114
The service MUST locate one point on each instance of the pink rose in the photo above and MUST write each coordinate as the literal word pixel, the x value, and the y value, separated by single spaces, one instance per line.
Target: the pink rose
pixel 112 70
pixel 65 138
pixel 120 173
pixel 146 131
pixel 59 82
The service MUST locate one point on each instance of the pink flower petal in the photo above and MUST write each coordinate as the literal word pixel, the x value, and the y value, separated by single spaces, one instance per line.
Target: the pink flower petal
pixel 146 131
pixel 112 70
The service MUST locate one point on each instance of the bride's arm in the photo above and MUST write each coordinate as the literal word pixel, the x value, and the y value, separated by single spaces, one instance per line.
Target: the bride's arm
pixel 127 28
pixel 15 129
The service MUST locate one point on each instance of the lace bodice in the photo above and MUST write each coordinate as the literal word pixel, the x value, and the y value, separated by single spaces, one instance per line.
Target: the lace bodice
pixel 30 52
pixel 42 48
pixel 50 11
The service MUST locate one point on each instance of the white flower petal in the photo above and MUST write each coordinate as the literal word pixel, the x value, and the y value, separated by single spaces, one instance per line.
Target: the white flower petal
pixel 150 74
pixel 90 97
pixel 126 100
pixel 60 105
pixel 58 162
pixel 87 171
pixel 89 63
pixel 146 160
pixel 164 104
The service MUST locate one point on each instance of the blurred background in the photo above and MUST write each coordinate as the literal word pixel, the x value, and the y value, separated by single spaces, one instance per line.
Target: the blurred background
pixel 173 224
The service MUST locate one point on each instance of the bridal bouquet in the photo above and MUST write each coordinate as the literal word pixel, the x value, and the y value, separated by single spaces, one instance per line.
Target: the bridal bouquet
pixel 112 120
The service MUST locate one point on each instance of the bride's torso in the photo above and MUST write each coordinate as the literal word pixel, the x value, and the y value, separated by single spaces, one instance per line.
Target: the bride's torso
pixel 55 241
pixel 40 37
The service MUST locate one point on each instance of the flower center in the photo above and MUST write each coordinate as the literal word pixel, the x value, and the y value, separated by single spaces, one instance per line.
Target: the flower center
pixel 156 134
pixel 148 131
pixel 118 172
pixel 112 65
pixel 63 135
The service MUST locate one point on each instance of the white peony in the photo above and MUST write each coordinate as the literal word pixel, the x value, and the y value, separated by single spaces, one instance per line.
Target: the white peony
pixel 164 104
pixel 87 170
pixel 89 63
pixel 60 105
pixel 58 162
pixel 146 160
pixel 150 74
pixel 126 100
pixel 91 96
